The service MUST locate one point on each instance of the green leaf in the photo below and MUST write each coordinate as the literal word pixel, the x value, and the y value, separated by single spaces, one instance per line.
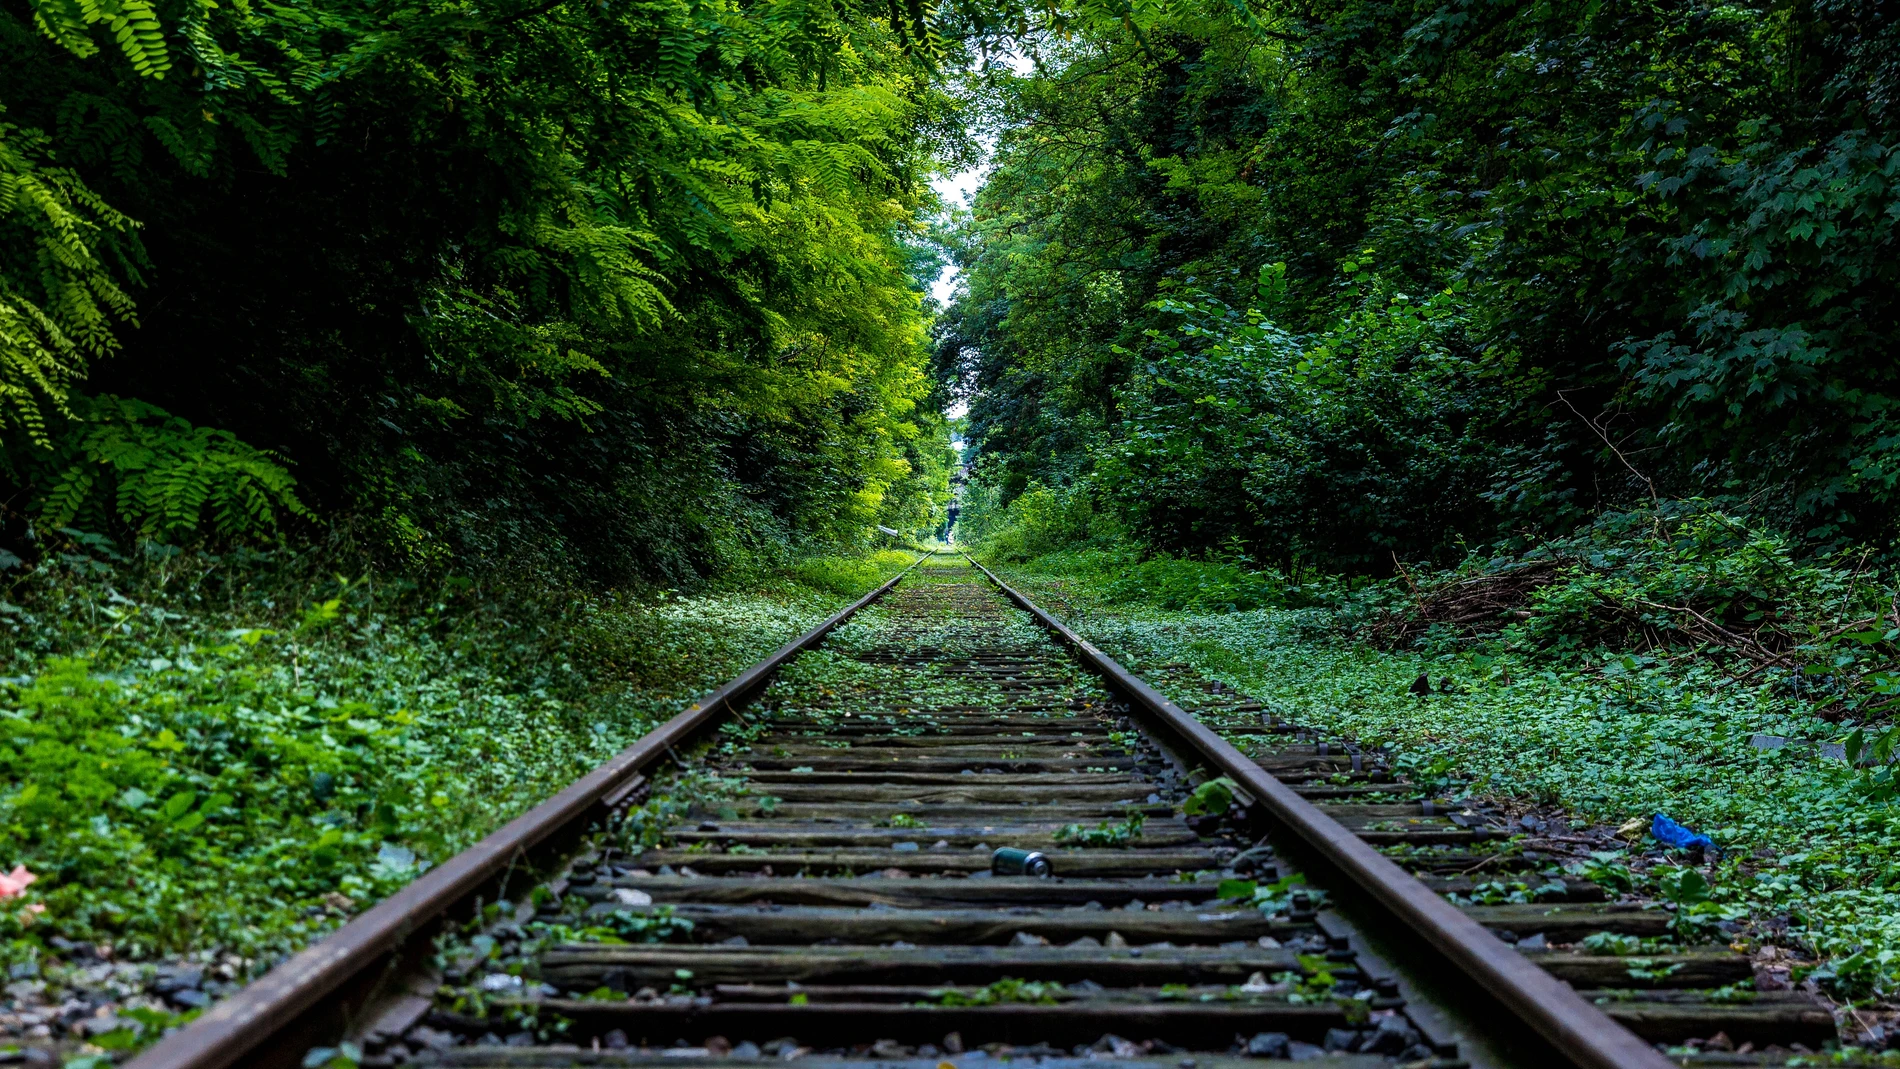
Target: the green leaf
pixel 1212 798
pixel 1683 886
pixel 178 804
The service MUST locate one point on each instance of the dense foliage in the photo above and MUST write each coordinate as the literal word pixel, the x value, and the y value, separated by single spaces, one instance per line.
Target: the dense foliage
pixel 1538 259
pixel 629 289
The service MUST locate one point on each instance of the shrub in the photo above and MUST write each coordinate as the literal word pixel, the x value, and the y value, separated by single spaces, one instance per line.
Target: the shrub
pixel 1680 575
pixel 121 464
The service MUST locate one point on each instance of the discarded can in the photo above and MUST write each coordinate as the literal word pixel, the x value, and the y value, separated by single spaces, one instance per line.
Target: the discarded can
pixel 1009 861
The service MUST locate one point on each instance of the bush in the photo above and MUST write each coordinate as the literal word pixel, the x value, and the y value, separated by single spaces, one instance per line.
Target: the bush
pixel 848 576
pixel 123 465
pixel 1119 576
pixel 1039 520
pixel 1681 575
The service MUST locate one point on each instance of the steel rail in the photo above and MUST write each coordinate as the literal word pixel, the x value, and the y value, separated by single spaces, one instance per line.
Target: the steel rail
pixel 1580 1031
pixel 242 1025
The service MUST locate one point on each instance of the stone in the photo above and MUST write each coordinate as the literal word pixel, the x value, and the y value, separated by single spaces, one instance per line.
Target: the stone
pixel 180 980
pixel 99 1026
pixel 1268 1045
pixel 1392 1036
pixel 423 1037
pixel 500 983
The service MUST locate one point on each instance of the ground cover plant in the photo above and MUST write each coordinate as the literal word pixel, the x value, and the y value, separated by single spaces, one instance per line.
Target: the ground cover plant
pixel 236 753
pixel 1561 697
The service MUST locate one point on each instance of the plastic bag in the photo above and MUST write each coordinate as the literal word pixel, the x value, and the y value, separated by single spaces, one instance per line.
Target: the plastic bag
pixel 1670 833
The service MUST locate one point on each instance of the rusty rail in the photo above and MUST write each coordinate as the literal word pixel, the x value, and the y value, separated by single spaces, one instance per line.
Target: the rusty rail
pixel 255 1024
pixel 1575 1027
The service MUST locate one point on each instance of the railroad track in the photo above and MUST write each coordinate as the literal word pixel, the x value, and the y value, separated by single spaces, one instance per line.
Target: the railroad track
pixel 824 860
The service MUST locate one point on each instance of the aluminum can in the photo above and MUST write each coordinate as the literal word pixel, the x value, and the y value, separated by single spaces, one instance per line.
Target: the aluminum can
pixel 1009 861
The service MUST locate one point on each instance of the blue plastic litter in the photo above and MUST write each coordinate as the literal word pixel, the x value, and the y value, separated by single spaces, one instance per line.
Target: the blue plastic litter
pixel 1670 833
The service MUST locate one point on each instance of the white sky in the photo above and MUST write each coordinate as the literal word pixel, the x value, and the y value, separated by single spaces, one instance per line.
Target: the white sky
pixel 956 191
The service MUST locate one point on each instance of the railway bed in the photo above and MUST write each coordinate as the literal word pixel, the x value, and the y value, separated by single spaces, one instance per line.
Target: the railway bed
pixel 819 882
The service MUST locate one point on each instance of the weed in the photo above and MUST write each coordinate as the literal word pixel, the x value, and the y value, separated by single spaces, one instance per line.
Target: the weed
pixel 1005 991
pixel 1606 733
pixel 1106 834
pixel 198 751
pixel 1213 798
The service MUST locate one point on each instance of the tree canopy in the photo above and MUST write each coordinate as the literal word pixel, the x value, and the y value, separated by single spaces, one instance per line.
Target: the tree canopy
pixel 1335 280
pixel 633 280
pixel 635 286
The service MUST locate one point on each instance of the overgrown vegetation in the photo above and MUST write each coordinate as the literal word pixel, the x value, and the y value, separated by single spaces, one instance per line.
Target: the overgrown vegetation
pixel 1508 382
pixel 239 752
pixel 1619 673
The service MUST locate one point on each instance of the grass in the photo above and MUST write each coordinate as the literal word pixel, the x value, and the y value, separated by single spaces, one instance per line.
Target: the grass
pixel 1812 847
pixel 235 754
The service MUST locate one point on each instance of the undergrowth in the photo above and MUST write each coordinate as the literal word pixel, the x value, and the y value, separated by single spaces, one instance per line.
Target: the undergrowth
pixel 1627 679
pixel 238 752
